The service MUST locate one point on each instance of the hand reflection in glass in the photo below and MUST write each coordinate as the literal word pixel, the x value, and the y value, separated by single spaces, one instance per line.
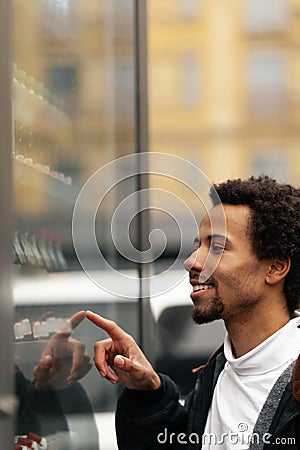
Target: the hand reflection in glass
pixel 64 360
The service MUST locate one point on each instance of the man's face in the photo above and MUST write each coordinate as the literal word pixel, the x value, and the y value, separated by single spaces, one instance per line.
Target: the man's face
pixel 238 279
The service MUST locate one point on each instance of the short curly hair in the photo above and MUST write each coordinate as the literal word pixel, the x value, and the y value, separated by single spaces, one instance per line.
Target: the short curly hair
pixel 274 227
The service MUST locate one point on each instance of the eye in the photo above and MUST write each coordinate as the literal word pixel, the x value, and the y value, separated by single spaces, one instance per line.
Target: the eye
pixel 217 248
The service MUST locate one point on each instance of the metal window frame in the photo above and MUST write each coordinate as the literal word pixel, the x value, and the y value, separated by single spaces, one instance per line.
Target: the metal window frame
pixel 7 399
pixel 145 317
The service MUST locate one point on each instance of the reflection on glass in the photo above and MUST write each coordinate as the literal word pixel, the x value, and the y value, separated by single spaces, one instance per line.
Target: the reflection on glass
pixel 45 403
pixel 73 112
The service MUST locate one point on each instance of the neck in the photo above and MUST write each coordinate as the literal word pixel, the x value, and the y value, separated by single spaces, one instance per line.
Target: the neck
pixel 248 332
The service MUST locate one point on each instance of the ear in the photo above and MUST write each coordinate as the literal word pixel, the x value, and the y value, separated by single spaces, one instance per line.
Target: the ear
pixel 277 270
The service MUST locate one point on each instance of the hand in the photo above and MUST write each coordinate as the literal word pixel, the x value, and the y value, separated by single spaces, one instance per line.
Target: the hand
pixel 119 358
pixel 63 361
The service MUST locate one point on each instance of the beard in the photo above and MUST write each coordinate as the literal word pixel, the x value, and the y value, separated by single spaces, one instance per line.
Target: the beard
pixel 207 314
pixel 217 309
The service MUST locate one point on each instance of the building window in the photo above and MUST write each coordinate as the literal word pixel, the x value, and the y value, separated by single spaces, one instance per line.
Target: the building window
pixel 63 77
pixel 272 162
pixel 123 16
pixel 190 79
pixel 189 8
pixel 266 84
pixel 266 15
pixel 124 88
pixel 60 6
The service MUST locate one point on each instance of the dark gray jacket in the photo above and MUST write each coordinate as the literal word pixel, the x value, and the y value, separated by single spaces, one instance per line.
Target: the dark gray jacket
pixel 156 420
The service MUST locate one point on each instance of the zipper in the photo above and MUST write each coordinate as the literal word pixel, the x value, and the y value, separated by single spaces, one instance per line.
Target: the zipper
pixel 195 394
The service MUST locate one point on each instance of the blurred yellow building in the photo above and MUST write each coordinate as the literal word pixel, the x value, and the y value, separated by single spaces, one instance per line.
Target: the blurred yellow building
pixel 224 85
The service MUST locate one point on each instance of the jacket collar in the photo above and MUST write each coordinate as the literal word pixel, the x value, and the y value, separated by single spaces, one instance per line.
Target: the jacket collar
pixel 296 380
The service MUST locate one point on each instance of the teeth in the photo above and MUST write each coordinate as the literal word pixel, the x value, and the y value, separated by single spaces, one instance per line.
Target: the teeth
pixel 201 287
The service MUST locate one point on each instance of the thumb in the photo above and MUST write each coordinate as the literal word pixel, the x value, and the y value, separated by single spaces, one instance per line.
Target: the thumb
pixel 122 363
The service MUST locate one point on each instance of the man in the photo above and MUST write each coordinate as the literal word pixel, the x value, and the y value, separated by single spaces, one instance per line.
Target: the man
pixel 248 394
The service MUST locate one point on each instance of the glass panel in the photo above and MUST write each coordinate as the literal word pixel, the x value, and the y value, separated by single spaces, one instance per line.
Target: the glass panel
pixel 73 104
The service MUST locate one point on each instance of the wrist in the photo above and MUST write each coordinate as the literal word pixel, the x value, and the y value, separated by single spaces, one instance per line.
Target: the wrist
pixel 155 383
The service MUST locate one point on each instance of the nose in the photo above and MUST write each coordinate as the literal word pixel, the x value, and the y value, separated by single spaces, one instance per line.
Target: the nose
pixel 195 261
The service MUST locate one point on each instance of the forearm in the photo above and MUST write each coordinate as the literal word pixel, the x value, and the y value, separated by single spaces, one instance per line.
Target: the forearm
pixel 143 418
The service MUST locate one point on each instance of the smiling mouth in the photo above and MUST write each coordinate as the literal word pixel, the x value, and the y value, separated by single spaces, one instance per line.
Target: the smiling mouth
pixel 202 287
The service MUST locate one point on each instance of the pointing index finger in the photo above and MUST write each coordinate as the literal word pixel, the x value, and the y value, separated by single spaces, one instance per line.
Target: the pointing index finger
pixel 69 325
pixel 76 319
pixel 111 328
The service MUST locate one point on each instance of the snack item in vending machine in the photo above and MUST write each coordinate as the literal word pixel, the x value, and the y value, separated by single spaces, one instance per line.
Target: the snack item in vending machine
pixel 30 441
pixel 41 441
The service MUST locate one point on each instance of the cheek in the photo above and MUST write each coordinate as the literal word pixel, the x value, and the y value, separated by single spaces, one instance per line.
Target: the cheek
pixel 236 277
